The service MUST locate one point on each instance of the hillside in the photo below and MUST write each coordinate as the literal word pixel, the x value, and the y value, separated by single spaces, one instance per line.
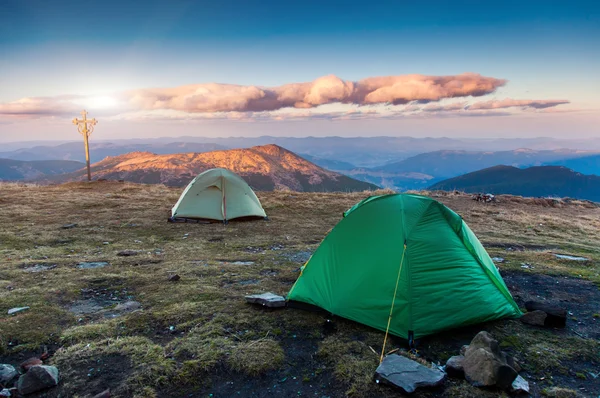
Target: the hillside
pixel 422 170
pixel 196 337
pixel 16 170
pixel 538 181
pixel 100 150
pixel 584 164
pixel 265 168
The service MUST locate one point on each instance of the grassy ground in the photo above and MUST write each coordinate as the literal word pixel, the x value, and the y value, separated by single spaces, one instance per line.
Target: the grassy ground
pixel 197 337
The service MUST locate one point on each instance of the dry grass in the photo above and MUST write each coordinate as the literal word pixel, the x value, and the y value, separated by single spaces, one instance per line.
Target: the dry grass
pixel 187 331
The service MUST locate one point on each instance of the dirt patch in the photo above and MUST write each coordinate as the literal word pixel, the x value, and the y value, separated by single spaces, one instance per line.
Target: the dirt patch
pixel 581 298
pixel 302 375
pixel 300 257
pixel 93 375
pixel 516 247
pixel 96 300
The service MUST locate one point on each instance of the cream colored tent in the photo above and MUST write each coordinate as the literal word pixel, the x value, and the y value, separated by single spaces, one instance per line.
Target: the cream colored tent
pixel 217 194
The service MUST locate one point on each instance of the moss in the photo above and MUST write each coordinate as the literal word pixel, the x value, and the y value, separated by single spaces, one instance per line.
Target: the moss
pixel 256 357
pixel 581 375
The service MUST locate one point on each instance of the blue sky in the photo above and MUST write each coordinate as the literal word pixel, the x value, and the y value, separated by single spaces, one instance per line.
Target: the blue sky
pixel 545 50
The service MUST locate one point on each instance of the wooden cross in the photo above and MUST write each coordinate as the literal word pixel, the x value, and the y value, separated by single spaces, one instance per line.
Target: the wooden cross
pixel 85 127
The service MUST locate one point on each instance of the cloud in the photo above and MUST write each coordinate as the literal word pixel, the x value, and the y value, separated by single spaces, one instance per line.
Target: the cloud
pixel 509 103
pixel 40 106
pixel 330 89
pixel 457 106
pixel 326 98
pixel 215 97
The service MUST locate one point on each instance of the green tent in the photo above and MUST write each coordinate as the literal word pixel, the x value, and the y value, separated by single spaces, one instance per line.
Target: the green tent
pixel 217 194
pixel 412 246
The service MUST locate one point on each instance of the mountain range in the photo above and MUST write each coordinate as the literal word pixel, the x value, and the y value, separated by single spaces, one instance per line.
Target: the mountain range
pixel 539 181
pixel 422 170
pixel 265 168
pixel 17 170
pixel 100 150
pixel 361 152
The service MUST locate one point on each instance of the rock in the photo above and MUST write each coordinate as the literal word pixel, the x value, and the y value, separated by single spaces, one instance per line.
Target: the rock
pixel 38 378
pixel 5 392
pixel 103 394
pixel 127 253
pixel 513 363
pixel 498 260
pixel 93 264
pixel 557 316
pixel 16 310
pixel 485 365
pixel 407 374
pixel 484 369
pixel 174 278
pixel 520 386
pixel 7 374
pixel 571 258
pixel 266 299
pixel 128 306
pixel 39 267
pixel 69 226
pixel 536 318
pixel 25 365
pixel 454 367
pixel 463 350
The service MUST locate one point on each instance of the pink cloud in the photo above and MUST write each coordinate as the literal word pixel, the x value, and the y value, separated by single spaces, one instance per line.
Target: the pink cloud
pixel 509 103
pixel 325 90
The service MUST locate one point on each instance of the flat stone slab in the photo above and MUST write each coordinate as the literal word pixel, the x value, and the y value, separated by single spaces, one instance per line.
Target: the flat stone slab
pixel 571 258
pixel 266 299
pixel 16 310
pixel 520 386
pixel 407 374
pixel 93 264
pixel 39 267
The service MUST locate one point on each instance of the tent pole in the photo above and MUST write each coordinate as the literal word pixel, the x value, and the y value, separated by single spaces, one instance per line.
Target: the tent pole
pixel 387 329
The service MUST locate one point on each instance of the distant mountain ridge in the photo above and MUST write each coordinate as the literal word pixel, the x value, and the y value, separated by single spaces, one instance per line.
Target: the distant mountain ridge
pixel 538 181
pixel 422 170
pixel 100 150
pixel 265 167
pixel 17 170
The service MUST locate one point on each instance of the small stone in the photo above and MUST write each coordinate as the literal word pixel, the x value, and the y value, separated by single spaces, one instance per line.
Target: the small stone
pixel 174 278
pixel 16 310
pixel 128 253
pixel 5 392
pixel 93 264
pixel 267 299
pixel 26 365
pixel 454 367
pixel 407 374
pixel 7 374
pixel 498 260
pixel 536 318
pixel 103 394
pixel 38 378
pixel 69 226
pixel 556 316
pixel 520 386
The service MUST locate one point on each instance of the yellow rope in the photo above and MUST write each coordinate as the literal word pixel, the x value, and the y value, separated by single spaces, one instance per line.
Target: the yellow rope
pixel 392 307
